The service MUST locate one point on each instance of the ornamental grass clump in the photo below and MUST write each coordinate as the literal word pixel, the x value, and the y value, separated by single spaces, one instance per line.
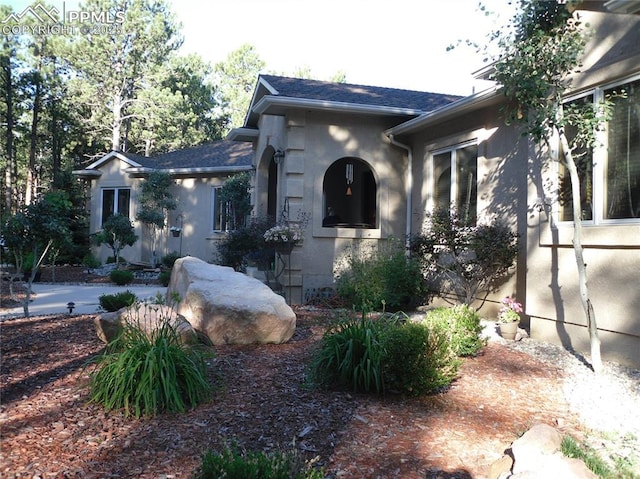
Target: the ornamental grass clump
pixel 145 374
pixel 234 463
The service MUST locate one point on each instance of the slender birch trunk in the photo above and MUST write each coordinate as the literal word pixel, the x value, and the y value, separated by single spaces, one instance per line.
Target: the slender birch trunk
pixel 596 360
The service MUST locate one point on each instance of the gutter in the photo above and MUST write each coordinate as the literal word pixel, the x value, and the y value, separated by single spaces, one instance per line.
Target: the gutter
pixel 408 186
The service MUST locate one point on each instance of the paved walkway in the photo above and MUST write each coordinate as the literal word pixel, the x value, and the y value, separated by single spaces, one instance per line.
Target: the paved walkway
pixel 53 298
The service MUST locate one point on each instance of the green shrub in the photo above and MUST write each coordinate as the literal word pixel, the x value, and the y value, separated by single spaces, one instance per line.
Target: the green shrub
pixel 416 360
pixel 147 374
pixel 90 261
pixel 169 259
pixel 116 301
pixel 384 279
pixel 461 326
pixel 237 464
pixel 121 277
pixel 246 245
pixel 385 355
pixel 164 277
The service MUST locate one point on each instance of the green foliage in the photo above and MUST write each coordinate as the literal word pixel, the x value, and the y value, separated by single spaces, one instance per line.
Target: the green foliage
pixel 572 449
pixel 350 356
pixel 148 374
pixel 246 244
pixel 460 325
pixel 169 259
pixel 117 233
pixel 116 301
pixel 121 277
pixel 235 193
pixel 466 261
pixel 233 463
pixel 388 355
pixel 380 279
pixel 156 199
pixel 90 261
pixel 417 359
pixel 164 277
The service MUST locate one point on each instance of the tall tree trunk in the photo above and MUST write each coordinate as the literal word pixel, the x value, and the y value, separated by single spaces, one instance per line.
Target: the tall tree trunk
pixel 8 174
pixel 116 125
pixel 596 360
pixel 33 144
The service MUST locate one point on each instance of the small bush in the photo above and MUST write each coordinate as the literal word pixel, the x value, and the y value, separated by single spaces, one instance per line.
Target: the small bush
pixel 417 359
pixel 145 375
pixel 385 355
pixel 121 277
pixel 164 277
pixel 114 302
pixel 90 261
pixel 169 259
pixel 461 326
pixel 237 464
pixel 384 279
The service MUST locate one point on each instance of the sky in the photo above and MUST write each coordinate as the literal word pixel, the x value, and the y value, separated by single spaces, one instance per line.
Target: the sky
pixel 389 43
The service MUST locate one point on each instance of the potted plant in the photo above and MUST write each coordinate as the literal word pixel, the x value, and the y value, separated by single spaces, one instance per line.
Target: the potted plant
pixel 509 317
pixel 283 238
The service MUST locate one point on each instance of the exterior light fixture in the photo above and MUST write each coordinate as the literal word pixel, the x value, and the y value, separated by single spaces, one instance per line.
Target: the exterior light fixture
pixel 278 156
pixel 70 306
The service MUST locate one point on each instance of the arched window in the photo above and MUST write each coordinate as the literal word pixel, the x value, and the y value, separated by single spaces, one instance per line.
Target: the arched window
pixel 349 195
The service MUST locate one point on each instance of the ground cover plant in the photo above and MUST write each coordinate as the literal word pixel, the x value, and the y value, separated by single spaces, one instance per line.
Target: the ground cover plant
pixel 116 301
pixel 235 463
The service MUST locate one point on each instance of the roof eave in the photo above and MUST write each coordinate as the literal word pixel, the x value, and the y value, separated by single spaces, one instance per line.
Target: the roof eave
pixel 109 156
pixel 465 105
pixel 243 134
pixel 143 171
pixel 277 105
pixel 87 173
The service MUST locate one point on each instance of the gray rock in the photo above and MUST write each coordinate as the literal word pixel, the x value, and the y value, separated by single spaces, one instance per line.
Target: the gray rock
pixel 229 307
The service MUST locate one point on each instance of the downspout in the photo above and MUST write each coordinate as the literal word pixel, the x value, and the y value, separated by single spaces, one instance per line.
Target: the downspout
pixel 408 187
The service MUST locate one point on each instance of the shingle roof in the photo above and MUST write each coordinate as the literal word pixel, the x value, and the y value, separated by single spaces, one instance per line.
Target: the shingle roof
pixel 357 94
pixel 219 154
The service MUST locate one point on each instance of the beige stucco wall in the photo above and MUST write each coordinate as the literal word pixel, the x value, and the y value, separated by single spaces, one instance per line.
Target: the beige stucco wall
pixel 312 142
pixel 502 176
pixel 193 214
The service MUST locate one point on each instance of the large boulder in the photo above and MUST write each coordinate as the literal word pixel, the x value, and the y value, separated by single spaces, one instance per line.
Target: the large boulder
pixel 148 317
pixel 227 306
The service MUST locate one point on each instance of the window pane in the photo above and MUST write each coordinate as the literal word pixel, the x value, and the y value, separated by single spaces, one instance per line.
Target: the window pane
pixel 123 202
pixel 108 204
pixel 217 211
pixel 583 158
pixel 467 183
pixel 623 155
pixel 442 175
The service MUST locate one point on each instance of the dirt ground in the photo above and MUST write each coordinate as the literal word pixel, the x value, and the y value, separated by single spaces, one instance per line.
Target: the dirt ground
pixel 262 402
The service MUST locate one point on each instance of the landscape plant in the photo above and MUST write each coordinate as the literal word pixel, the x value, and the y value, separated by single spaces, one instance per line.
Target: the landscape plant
pixel 389 354
pixel 145 374
pixel 117 233
pixel 379 279
pixel 246 245
pixel 460 325
pixel 116 301
pixel 466 261
pixel 235 463
pixel 535 67
pixel 121 277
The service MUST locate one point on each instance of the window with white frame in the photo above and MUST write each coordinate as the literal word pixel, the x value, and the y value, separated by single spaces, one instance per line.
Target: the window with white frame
pixel 115 201
pixel 220 211
pixel 610 173
pixel 455 176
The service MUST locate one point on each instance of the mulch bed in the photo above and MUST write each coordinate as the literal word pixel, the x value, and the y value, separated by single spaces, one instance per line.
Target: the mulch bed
pixel 262 402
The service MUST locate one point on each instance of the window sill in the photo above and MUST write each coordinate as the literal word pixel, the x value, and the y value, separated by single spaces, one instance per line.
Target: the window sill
pixel 593 236
pixel 346 232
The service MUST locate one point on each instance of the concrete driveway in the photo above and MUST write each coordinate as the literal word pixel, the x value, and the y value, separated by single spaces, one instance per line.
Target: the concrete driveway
pixel 53 298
